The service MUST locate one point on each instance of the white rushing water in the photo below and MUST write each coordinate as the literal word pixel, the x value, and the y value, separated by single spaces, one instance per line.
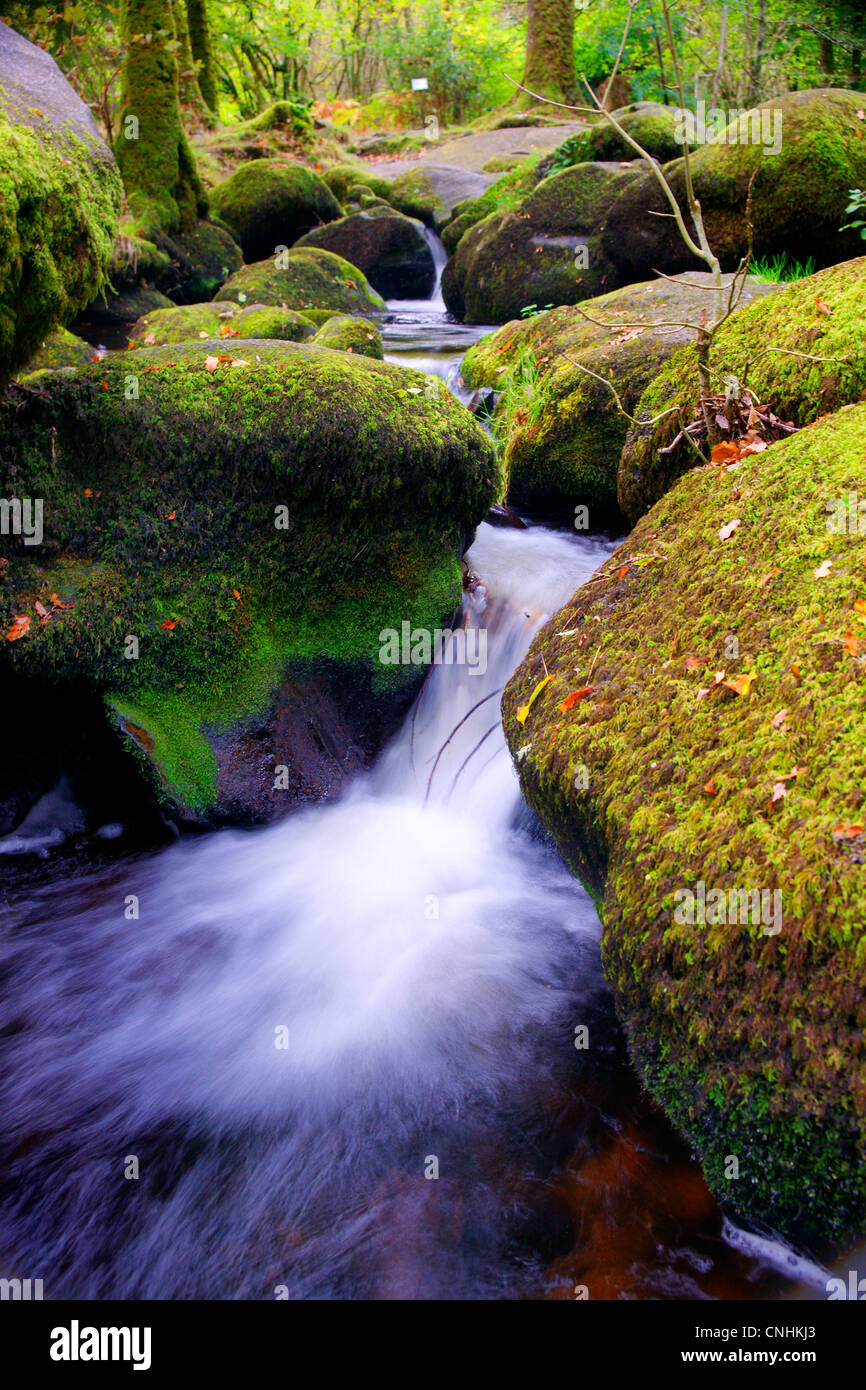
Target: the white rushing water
pixel 422 954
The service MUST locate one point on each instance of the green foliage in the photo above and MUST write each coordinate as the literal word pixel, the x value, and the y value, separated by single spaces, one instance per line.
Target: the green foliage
pixel 781 269
pixel 857 204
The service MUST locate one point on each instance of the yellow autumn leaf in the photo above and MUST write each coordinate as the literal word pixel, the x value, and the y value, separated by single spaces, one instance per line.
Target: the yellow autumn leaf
pixel 523 711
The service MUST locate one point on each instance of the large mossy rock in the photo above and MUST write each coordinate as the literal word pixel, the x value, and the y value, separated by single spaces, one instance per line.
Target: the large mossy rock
pixel 768 346
pixel 562 430
pixel 547 252
pixel 235 518
pixel 341 178
pixel 798 199
pixel 200 261
pixel 60 196
pixel 269 203
pixel 502 196
pixel 344 333
pixel 307 278
pixel 431 191
pixel 60 349
pixel 388 248
pixel 661 779
pixel 224 319
pixel 651 124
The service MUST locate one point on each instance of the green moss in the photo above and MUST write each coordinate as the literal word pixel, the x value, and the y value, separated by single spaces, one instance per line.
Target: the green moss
pixel 759 346
pixel 60 349
pixel 562 429
pixel 345 177
pixel 351 335
pixel 753 1042
pixel 269 203
pixel 793 212
pixel 224 319
pixel 230 520
pixel 59 204
pixel 173 729
pixel 307 278
pixel 163 188
pixel 502 196
pixel 548 251
pixel 650 123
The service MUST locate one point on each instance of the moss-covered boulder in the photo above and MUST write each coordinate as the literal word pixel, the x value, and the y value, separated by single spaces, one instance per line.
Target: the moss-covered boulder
pixel 232 514
pixel 700 743
pixel 60 196
pixel 795 208
pixel 768 347
pixel 269 204
pixel 342 178
pixel 119 309
pixel 561 428
pixel 350 335
pixel 306 278
pixel 60 349
pixel 504 195
pixel 200 260
pixel 219 320
pixel 651 124
pixel 547 252
pixel 388 248
pixel 430 192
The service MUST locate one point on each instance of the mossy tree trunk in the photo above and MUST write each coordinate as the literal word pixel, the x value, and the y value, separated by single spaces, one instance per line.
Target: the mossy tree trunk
pixel 549 68
pixel 188 87
pixel 163 188
pixel 202 51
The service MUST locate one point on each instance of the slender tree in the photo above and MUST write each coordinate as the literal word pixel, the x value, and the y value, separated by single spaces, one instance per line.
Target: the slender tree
pixel 549 68
pixel 164 191
pixel 202 51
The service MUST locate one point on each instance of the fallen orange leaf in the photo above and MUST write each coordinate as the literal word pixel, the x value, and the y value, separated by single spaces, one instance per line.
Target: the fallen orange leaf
pixel 851 644
pixel 19 627
pixel 726 531
pixel 847 832
pixel 741 685
pixel 58 602
pixel 170 624
pixel 765 578
pixel 573 697
pixel 41 609
pixel 726 452
pixel 237 595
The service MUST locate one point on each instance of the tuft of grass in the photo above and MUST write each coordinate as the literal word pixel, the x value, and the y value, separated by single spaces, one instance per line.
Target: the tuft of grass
pixel 780 269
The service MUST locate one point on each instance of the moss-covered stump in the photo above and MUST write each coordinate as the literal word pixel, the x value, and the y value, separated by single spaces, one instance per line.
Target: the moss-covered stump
pixel 211 516
pixel 60 196
pixel 342 178
pixel 61 349
pixel 348 334
pixel 307 278
pixel 547 252
pixel 219 320
pixel 388 248
pixel 717 749
pixel 650 123
pixel 819 317
pixel 562 430
pixel 269 204
pixel 795 209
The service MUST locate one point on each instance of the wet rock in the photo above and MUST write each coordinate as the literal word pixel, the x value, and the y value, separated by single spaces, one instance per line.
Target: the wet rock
pixel 388 248
pixel 60 196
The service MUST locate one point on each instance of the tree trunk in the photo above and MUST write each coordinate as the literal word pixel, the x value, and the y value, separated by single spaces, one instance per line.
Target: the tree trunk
pixel 188 88
pixel 199 37
pixel 163 188
pixel 758 64
pixel 549 69
pixel 827 61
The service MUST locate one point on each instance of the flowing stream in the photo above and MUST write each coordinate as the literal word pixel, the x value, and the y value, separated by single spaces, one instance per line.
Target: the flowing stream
pixel 335 1057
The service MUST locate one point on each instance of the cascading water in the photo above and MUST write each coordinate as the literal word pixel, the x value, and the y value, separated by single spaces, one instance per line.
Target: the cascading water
pixel 422 952
pixel 335 1057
